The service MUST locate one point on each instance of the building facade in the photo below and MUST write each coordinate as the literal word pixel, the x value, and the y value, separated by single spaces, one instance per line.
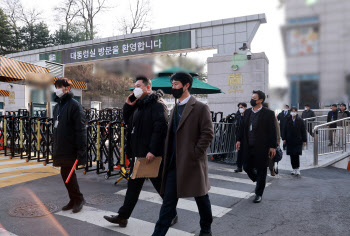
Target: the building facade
pixel 316 38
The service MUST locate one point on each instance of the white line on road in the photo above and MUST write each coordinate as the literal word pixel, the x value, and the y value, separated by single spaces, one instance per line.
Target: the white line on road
pixel 184 204
pixel 230 192
pixel 13 176
pixel 4 232
pixel 233 179
pixel 12 162
pixel 135 227
pixel 20 168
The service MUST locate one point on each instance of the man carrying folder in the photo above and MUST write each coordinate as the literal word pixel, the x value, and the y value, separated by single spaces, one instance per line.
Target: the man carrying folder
pixel 146 115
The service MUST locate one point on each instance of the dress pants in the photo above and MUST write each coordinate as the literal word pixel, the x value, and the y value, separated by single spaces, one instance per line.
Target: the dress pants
pixel 72 186
pixel 256 173
pixel 168 209
pixel 133 192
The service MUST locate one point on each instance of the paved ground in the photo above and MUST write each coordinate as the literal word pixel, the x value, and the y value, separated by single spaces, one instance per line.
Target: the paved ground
pixel 315 204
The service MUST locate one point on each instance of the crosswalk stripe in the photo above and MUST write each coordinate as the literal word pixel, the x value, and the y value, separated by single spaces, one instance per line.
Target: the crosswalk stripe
pixel 4 232
pixel 26 167
pixel 13 165
pixel 13 176
pixel 6 162
pixel 135 227
pixel 227 170
pixel 4 158
pixel 230 192
pixel 233 179
pixel 184 204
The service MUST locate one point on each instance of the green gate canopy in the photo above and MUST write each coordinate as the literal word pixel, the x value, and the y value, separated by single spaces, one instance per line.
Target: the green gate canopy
pixel 198 87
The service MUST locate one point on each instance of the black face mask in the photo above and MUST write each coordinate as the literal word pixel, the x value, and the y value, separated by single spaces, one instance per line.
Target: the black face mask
pixel 177 93
pixel 253 102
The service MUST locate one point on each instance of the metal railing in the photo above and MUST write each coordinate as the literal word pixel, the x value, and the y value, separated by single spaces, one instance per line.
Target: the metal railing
pixel 330 140
pixel 310 123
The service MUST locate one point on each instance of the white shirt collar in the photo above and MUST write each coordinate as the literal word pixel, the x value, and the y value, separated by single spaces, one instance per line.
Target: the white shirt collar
pixel 257 110
pixel 184 101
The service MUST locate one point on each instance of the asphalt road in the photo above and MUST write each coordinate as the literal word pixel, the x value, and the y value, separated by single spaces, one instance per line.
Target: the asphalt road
pixel 317 203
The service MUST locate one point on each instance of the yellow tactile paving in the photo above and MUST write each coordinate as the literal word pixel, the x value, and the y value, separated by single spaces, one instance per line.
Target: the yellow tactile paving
pixel 11 174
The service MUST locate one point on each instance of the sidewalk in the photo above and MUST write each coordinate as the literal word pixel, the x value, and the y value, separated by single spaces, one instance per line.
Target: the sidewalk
pixel 307 159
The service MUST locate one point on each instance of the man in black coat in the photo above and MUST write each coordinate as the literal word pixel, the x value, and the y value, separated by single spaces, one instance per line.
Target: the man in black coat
pixel 308 113
pixel 147 120
pixel 258 141
pixel 332 116
pixel 282 118
pixel 242 106
pixel 69 140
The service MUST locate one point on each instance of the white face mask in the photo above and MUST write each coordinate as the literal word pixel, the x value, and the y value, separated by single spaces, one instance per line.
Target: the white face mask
pixel 138 92
pixel 293 113
pixel 305 108
pixel 241 110
pixel 59 93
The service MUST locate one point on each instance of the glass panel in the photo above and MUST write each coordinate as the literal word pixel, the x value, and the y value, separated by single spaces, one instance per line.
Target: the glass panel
pixel 309 94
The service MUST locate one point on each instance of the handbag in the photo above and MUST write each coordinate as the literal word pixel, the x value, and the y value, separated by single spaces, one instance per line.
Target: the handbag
pixel 279 154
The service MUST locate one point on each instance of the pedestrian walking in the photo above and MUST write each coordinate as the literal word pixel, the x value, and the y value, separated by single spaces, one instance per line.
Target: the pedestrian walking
pixel 186 163
pixel 294 137
pixel 282 118
pixel 258 140
pixel 308 113
pixel 332 116
pixel 242 106
pixel 146 114
pixel 69 140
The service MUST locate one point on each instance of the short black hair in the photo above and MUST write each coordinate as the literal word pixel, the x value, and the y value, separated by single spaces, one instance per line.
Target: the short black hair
pixel 287 105
pixel 63 82
pixel 243 104
pixel 261 94
pixel 144 79
pixel 343 104
pixel 265 104
pixel 334 105
pixel 294 108
pixel 307 105
pixel 183 77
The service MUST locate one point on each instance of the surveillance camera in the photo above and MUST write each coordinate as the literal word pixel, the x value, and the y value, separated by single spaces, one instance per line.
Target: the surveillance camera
pixel 249 54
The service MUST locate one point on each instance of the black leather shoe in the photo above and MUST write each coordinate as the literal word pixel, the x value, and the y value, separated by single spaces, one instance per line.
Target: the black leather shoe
pixel 69 206
pixel 78 206
pixel 174 221
pixel 205 234
pixel 257 199
pixel 238 170
pixel 117 220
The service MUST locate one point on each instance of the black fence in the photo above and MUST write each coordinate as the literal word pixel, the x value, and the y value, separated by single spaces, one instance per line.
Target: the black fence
pixel 31 138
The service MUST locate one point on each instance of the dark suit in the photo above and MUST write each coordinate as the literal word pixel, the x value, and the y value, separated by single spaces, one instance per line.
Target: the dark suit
pixel 256 158
pixel 239 121
pixel 332 116
pixel 282 117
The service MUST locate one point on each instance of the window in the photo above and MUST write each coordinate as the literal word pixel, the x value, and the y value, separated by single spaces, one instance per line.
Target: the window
pixel 1 105
pixel 302 40
pixel 38 96
pixel 305 90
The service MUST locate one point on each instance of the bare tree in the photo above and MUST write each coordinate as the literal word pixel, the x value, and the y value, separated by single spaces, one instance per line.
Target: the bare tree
pixel 139 17
pixel 30 16
pixel 88 9
pixel 70 10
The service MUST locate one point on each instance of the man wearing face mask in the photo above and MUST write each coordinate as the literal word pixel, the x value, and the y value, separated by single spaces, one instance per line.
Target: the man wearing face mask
pixel 185 171
pixel 282 118
pixel 242 106
pixel 69 140
pixel 258 141
pixel 308 113
pixel 146 115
